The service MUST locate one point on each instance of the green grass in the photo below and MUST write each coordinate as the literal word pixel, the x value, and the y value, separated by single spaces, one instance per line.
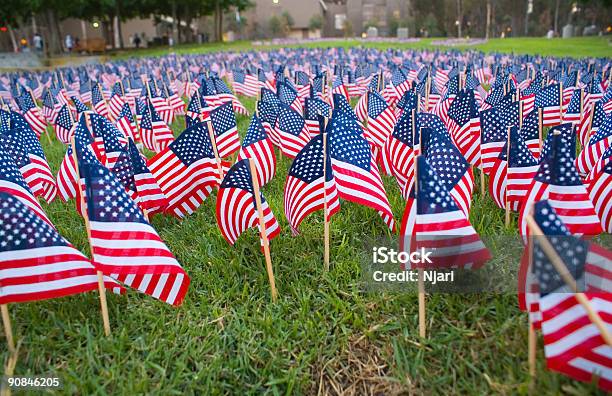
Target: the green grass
pixel 576 47
pixel 327 332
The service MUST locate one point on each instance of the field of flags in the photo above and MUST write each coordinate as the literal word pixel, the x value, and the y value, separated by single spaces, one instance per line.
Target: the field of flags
pixel 531 134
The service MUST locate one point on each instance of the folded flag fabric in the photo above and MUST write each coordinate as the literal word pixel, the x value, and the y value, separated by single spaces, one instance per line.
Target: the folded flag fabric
pixel 236 206
pixel 432 221
pixel 306 180
pixel 124 245
pixel 36 262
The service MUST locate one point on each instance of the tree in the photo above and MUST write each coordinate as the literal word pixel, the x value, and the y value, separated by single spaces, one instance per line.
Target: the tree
pixel 316 22
pixel 275 25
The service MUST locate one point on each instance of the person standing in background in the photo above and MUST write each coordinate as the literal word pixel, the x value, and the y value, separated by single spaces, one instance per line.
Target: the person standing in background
pixel 68 43
pixel 136 40
pixel 38 43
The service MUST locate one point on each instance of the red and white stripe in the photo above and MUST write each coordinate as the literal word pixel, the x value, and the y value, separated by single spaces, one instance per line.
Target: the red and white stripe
pixel 37 175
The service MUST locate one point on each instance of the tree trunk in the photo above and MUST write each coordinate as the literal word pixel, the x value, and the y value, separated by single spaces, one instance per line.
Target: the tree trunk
pixel 556 20
pixel 53 41
pixel 488 26
pixel 188 31
pixel 118 31
pixel 459 18
pixel 218 22
pixel 13 39
pixel 174 23
pixel 178 31
pixel 84 30
pixel 527 19
pixel 34 24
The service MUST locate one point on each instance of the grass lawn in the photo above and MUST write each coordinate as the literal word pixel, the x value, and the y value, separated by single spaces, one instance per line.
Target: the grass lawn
pixel 326 333
pixel 576 47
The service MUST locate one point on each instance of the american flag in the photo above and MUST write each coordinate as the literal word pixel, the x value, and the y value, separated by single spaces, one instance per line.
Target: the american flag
pixel 245 84
pixel 175 101
pixel 13 183
pixel 116 101
pixel 549 100
pixel 597 144
pixel 32 113
pixel 225 129
pixel 494 136
pixel 124 245
pixel 161 106
pixel 292 131
pixel 573 345
pixel 236 207
pixel 522 168
pixel 558 181
pixel 400 150
pixel 530 132
pixel 433 221
pixel 590 120
pixel 288 95
pixel 124 172
pixel 573 109
pixel 305 182
pixel 313 108
pixel 63 124
pixel 338 87
pixel 79 106
pixel 267 111
pixel 599 184
pixel 463 123
pixel 97 100
pixel 67 174
pixel 50 106
pixel 258 147
pixel 186 170
pixel 31 159
pixel 150 196
pixel 450 166
pixel 224 94
pixel 111 138
pixel 126 123
pixel 155 133
pixel 353 166
pixel 36 262
pixel 381 119
pixel 194 109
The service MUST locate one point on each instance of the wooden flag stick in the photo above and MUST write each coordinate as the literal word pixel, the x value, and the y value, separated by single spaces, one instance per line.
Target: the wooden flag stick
pixel 507 172
pixel 214 146
pixel 8 330
pixel 325 214
pixel 559 265
pixel 561 101
pixel 262 230
pixel 421 281
pixel 101 288
pixel 532 341
pixel 540 127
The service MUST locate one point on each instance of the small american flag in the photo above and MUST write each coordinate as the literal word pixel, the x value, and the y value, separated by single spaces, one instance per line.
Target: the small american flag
pixel 292 131
pixel 400 150
pixel 186 170
pixel 549 100
pixel 63 124
pixel 305 182
pixel 225 129
pixel 557 180
pixel 116 101
pixel 150 196
pixel 599 141
pixel 13 183
pixel 97 100
pixel 313 109
pixel 450 166
pixel 124 245
pixel 573 345
pixel 353 166
pixel 381 119
pixel 258 147
pixel 431 209
pixel 236 207
pixel 36 263
pixel 463 123
pixel 32 163
pixel 127 124
pixel 156 134
pixel 599 184
pixel 32 113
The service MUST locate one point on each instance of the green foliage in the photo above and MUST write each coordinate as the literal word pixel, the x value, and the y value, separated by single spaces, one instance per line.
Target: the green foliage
pixel 316 22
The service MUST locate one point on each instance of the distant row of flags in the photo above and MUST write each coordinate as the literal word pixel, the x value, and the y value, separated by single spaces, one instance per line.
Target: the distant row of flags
pixel 426 119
